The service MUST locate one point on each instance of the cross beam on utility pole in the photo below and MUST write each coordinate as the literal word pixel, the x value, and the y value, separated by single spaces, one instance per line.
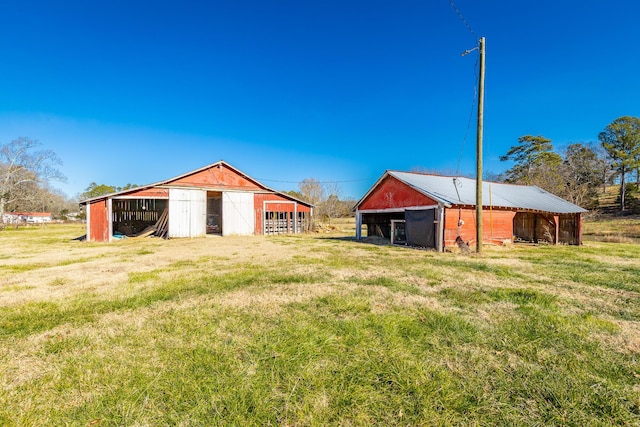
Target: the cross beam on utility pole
pixel 479 149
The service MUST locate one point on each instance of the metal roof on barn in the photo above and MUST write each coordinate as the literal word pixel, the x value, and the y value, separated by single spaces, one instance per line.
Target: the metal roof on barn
pixel 462 191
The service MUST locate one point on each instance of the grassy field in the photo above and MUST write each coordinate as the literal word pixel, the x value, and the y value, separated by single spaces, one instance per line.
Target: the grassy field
pixel 314 330
pixel 612 229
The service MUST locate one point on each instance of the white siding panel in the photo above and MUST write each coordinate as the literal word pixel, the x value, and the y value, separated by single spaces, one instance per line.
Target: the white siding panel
pixel 187 212
pixel 238 214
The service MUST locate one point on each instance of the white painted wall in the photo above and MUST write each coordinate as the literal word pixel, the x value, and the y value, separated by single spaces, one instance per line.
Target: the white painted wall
pixel 187 212
pixel 238 214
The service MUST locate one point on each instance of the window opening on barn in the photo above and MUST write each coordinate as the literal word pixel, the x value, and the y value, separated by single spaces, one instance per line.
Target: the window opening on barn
pixel 276 222
pixel 283 218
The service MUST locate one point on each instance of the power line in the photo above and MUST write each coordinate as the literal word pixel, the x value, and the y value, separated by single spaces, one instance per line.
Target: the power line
pixel 464 21
pixel 475 87
pixel 318 182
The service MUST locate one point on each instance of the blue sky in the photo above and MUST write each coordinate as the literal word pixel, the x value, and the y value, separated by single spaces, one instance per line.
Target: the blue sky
pixel 137 91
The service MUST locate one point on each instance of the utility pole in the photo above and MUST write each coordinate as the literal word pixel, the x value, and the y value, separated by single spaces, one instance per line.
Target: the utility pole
pixel 479 149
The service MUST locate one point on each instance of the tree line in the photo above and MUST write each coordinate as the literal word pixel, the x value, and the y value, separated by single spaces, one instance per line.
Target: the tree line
pixel 583 169
pixel 577 174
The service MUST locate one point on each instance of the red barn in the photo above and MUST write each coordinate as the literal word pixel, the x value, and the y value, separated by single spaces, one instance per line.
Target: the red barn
pixel 215 199
pixel 433 211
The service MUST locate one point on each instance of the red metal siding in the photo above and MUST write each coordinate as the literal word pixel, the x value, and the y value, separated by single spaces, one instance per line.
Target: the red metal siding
pixel 156 193
pixel 218 176
pixel 391 193
pixel 273 206
pixel 285 206
pixel 99 223
pixel 497 225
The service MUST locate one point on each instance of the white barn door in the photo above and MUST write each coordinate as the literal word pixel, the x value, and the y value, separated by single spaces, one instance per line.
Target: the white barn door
pixel 238 213
pixel 187 212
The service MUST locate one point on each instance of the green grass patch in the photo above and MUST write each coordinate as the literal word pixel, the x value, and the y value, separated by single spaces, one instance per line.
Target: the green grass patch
pixel 16 288
pixel 588 271
pixel 470 265
pixel 463 297
pixel 58 281
pixel 75 261
pixel 599 324
pixel 20 268
pixel 390 283
pixel 144 276
pixel 523 297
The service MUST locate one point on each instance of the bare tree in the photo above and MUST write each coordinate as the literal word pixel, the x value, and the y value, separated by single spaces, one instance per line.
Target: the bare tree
pixel 311 190
pixel 23 169
pixel 45 199
pixel 331 205
pixel 326 198
pixel 581 174
pixel 604 164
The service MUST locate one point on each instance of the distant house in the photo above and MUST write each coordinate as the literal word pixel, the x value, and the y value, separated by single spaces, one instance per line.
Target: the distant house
pixel 216 199
pixel 433 211
pixel 27 217
pixel 73 216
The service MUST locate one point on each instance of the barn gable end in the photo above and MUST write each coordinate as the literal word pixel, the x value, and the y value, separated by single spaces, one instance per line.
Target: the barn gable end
pixel 391 193
pixel 218 176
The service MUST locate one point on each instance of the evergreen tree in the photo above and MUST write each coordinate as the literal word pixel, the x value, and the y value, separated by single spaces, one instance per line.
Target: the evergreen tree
pixel 535 163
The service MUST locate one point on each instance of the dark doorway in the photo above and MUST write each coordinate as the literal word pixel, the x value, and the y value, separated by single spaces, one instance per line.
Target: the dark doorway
pixel 379 224
pixel 214 212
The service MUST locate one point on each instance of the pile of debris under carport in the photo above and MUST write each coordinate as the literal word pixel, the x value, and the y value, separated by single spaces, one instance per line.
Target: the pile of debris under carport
pixel 159 229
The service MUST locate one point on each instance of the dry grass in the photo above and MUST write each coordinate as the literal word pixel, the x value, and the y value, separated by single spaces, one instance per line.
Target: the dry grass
pixel 613 227
pixel 64 268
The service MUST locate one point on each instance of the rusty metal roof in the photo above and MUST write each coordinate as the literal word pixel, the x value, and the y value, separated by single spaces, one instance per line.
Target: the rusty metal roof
pixel 462 191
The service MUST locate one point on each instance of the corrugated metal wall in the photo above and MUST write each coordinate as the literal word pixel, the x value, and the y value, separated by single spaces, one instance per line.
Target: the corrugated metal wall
pixel 497 225
pixel 98 224
pixel 187 212
pixel 238 214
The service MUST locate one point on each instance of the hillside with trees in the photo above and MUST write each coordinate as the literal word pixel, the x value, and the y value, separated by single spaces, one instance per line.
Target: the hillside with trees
pixel 583 171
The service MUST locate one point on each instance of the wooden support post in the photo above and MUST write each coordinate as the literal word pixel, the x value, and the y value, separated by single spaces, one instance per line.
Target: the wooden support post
pixel 479 150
